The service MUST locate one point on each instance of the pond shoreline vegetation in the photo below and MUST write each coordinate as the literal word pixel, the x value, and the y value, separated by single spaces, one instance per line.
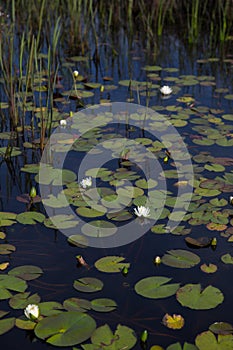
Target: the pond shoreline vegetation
pixel 61 57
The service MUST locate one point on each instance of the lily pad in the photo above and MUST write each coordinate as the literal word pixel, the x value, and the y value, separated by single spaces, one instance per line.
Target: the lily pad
pixel 76 304
pixel 53 176
pixel 21 300
pixel 10 283
pixel 111 264
pixel 156 287
pixel 66 329
pixel 227 259
pixel 192 296
pixel 180 258
pixel 30 218
pixel 208 341
pixel 7 218
pixel 211 268
pixel 26 272
pixel 50 308
pixel 199 242
pixel 6 324
pixel 99 228
pixel 6 249
pixel 221 328
pixel 88 284
pixel 103 338
pixel 103 305
pixel 61 221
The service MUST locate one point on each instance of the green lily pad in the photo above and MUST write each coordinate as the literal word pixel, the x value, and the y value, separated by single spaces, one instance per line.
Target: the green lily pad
pixel 7 218
pixel 6 325
pixel 6 249
pixel 13 151
pixel 88 284
pixel 146 184
pixel 50 308
pixel 30 218
pixel 111 264
pixel 21 300
pixel 66 329
pixel 178 346
pixel 103 338
pixel 11 283
pixel 211 268
pixel 26 272
pixel 103 305
pixel 61 221
pixel 227 259
pixel 180 258
pixel 90 212
pixel 25 324
pixel 122 215
pixel 59 201
pixel 221 328
pixel 31 168
pixel 78 240
pixel 208 341
pixel 156 287
pixel 192 296
pixel 76 304
pixel 99 228
pixel 53 176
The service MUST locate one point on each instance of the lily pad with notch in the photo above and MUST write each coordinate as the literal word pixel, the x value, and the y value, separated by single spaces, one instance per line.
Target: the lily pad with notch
pixel 156 287
pixel 88 284
pixel 200 242
pixel 180 258
pixel 111 264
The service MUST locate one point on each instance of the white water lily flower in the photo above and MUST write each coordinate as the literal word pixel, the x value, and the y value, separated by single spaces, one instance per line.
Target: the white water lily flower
pixel 231 200
pixel 142 211
pixel 166 90
pixel 63 122
pixel 32 312
pixel 75 73
pixel 86 182
pixel 157 260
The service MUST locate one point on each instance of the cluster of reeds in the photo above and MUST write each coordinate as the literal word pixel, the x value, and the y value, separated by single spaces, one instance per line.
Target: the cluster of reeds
pixel 33 32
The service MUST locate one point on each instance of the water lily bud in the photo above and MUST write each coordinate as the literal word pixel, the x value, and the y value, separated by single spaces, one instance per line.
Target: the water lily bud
pixel 63 122
pixel 71 114
pixel 80 260
pixel 144 336
pixel 33 193
pixel 32 312
pixel 125 271
pixel 102 88
pixel 75 74
pixel 214 242
pixel 231 200
pixel 157 260
pixel 165 159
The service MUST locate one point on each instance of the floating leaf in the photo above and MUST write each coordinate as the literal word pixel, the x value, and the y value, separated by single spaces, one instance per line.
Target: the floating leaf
pixel 59 201
pixel 6 324
pixel 180 258
pixel 4 266
pixel 61 221
pixel 90 212
pixel 21 300
pixel 216 227
pixel 99 228
pixel 76 304
pixel 53 176
pixel 103 305
pixel 111 264
pixel 174 321
pixel 11 283
pixel 208 341
pixel 221 328
pixel 211 268
pixel 199 242
pixel 103 338
pixel 192 296
pixel 156 287
pixel 66 329
pixel 7 219
pixel 6 249
pixel 26 272
pixel 21 323
pixel 227 259
pixel 78 240
pixel 50 308
pixel 30 218
pixel 88 284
